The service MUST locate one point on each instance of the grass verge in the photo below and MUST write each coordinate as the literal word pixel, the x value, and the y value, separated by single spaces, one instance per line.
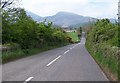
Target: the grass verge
pixel 106 59
pixel 8 56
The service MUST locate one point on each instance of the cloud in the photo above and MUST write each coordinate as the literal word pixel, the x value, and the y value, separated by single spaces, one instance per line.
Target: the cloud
pixel 101 10
pixel 94 8
pixel 105 1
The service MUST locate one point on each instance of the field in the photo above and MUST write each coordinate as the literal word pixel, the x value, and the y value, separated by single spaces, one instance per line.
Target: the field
pixel 74 36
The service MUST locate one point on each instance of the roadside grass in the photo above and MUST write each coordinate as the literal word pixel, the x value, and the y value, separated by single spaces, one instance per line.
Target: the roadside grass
pixel 106 59
pixel 74 36
pixel 109 65
pixel 102 43
pixel 8 56
pixel 108 62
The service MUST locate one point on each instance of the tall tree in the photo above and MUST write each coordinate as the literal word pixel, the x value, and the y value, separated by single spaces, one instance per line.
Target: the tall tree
pixel 7 3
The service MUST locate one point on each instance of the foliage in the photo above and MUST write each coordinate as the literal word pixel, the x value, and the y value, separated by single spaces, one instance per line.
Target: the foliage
pixel 8 3
pixel 106 32
pixel 79 32
pixel 23 30
pixel 20 53
pixel 103 39
pixel 22 36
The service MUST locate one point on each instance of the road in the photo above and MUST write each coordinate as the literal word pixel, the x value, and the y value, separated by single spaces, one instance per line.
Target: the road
pixel 69 63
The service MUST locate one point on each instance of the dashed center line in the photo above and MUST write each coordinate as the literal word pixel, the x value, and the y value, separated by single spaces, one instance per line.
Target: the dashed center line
pixel 30 78
pixel 53 61
pixel 59 57
pixel 56 58
pixel 66 51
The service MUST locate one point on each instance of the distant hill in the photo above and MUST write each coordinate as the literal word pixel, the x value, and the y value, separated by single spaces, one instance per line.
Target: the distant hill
pixel 66 19
pixel 34 16
pixel 113 20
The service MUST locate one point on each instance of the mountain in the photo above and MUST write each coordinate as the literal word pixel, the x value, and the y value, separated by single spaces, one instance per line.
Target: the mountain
pixel 67 19
pixel 63 18
pixel 113 20
pixel 34 16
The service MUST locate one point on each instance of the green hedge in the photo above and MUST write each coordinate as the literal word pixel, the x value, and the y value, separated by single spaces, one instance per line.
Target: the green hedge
pixel 102 43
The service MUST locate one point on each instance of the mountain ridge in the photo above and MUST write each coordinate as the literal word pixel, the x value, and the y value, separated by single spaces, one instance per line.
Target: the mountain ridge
pixel 67 19
pixel 63 18
pixel 34 16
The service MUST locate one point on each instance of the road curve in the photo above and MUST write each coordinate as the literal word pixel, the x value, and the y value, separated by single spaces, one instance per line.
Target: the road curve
pixel 69 63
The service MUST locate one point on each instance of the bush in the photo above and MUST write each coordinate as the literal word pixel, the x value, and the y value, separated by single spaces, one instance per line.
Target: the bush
pixel 23 30
pixel 20 34
pixel 103 39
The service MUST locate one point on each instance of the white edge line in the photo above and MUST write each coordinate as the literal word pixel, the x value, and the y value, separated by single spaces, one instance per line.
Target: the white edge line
pixel 53 61
pixel 30 78
pixel 104 75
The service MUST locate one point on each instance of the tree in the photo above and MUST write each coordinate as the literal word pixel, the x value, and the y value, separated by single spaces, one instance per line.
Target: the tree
pixel 23 30
pixel 79 31
pixel 7 3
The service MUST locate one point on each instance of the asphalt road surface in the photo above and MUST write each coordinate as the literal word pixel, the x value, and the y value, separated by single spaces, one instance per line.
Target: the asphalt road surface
pixel 69 63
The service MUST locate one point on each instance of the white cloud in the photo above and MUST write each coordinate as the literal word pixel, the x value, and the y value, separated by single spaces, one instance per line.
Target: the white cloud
pixel 108 1
pixel 101 10
pixel 95 8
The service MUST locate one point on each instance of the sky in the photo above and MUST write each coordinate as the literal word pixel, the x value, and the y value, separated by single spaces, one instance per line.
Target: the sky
pixel 93 8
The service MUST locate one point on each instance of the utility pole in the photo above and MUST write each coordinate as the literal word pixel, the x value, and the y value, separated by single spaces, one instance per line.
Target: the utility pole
pixel 119 12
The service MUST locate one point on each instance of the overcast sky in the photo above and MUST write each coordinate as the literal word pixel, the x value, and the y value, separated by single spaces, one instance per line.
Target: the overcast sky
pixel 93 8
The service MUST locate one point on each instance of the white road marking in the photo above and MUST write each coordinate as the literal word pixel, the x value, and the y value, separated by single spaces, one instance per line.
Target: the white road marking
pixel 75 46
pixel 79 43
pixel 66 51
pixel 104 75
pixel 53 61
pixel 30 78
